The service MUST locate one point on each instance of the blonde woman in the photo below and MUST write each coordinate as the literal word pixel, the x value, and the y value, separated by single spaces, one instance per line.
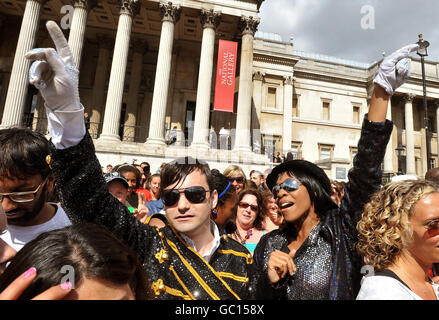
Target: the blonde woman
pixel 236 177
pixel 399 237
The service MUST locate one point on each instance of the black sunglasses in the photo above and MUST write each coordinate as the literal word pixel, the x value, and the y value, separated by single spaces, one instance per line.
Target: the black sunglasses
pixel 288 185
pixel 194 194
pixel 237 179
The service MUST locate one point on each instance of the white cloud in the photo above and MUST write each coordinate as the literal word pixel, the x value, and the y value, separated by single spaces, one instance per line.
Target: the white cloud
pixel 333 27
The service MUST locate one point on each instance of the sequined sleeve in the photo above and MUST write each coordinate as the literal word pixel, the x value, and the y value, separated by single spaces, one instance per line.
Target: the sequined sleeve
pixel 365 176
pixel 85 197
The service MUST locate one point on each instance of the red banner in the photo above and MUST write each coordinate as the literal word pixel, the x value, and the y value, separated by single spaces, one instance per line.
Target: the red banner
pixel 225 76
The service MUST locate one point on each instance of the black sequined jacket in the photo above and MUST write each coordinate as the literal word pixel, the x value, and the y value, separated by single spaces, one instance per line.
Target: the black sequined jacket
pixel 175 271
pixel 339 225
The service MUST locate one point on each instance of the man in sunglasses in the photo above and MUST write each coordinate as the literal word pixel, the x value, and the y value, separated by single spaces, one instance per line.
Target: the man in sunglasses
pixel 318 237
pixel 186 259
pixel 26 183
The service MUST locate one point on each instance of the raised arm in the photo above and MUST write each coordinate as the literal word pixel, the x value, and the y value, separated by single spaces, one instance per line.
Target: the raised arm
pixel 83 192
pixel 365 176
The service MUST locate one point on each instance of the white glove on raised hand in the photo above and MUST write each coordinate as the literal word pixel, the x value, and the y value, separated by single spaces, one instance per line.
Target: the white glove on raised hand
pixel 395 69
pixel 55 75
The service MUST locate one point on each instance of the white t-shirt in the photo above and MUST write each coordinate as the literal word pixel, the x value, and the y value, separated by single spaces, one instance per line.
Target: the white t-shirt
pixel 18 236
pixel 387 288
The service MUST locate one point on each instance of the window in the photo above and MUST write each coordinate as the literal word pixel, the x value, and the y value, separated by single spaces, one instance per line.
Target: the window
pixel 325 114
pixel 271 98
pixel 325 152
pixel 296 150
pixel 433 161
pixel 353 152
pixel 356 111
pixel 295 107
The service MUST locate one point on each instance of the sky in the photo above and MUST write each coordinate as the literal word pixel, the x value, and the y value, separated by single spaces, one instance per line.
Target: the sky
pixel 358 30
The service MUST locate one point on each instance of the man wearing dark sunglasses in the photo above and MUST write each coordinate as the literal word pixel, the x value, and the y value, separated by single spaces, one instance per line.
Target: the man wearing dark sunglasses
pixel 26 183
pixel 186 259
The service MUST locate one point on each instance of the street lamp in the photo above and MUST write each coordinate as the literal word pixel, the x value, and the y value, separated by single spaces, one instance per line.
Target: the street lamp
pixel 422 52
pixel 400 150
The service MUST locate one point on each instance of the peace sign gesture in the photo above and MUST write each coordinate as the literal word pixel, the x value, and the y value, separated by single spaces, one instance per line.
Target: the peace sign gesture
pixel 142 212
pixel 54 72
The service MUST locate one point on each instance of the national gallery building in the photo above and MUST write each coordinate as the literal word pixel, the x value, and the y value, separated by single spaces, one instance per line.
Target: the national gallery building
pixel 148 73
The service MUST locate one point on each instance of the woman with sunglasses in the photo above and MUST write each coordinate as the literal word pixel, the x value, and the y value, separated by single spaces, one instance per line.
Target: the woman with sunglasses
pixel 398 235
pixel 249 215
pixel 236 177
pixel 312 255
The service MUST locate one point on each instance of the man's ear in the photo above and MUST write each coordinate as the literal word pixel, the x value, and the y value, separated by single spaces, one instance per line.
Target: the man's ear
pixel 50 182
pixel 214 198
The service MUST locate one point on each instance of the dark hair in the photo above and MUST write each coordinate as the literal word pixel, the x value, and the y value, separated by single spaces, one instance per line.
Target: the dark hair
pixel 23 152
pixel 125 167
pixel 220 184
pixel 250 185
pixel 91 250
pixel 262 207
pixel 179 169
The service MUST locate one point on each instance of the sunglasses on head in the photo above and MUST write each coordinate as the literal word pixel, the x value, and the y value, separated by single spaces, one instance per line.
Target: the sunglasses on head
pixel 237 179
pixel 194 194
pixel 245 205
pixel 288 185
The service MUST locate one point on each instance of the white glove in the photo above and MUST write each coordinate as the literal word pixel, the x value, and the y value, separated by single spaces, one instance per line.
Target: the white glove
pixel 55 75
pixel 395 69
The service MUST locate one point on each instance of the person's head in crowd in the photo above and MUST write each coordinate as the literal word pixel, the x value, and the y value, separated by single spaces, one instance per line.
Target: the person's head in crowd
pixel 6 251
pixel 146 171
pixel 236 177
pixel 400 226
pixel 302 191
pixel 26 180
pixel 188 194
pixel 337 191
pixel 264 181
pixel 432 175
pixel 250 185
pixel 142 175
pixel 117 185
pixel 227 198
pixel 272 210
pixel 109 168
pixel 131 174
pixel 249 211
pixel 101 266
pixel 257 177
pixel 154 186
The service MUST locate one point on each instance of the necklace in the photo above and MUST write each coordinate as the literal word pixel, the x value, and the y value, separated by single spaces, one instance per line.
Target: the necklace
pixel 247 236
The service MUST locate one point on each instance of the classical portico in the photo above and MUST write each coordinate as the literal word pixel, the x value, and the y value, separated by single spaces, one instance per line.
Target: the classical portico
pixel 147 67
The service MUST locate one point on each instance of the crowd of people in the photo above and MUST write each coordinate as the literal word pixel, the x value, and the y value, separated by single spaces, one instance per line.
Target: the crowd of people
pixel 191 232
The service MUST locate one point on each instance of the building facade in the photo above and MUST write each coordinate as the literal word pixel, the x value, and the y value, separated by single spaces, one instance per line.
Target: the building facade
pixel 147 72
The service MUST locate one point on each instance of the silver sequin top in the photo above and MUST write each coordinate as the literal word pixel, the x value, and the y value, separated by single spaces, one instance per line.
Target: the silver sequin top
pixel 314 265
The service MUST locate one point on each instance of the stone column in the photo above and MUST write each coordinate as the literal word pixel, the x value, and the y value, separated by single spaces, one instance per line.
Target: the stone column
pixel 18 82
pixel 210 21
pixel 170 15
pixel 388 157
pixel 409 134
pixel 288 114
pixel 77 28
pixel 98 95
pixel 139 47
pixel 248 27
pixel 113 106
